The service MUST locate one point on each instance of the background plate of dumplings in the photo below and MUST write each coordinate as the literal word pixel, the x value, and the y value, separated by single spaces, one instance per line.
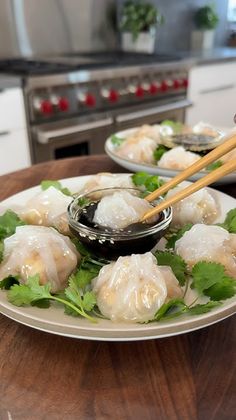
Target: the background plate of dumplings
pixel 132 165
pixel 54 321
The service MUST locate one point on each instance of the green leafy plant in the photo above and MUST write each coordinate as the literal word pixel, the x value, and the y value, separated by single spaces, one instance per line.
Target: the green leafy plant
pixel 206 18
pixel 138 16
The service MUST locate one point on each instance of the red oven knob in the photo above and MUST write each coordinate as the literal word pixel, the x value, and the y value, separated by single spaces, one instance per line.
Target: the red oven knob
pixel 45 107
pixel 176 84
pixel 63 104
pixel 113 95
pixel 90 100
pixel 153 89
pixel 184 83
pixel 139 91
pixel 164 86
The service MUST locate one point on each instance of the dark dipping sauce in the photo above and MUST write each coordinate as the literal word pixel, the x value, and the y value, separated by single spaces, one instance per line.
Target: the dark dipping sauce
pixel 133 239
pixel 86 216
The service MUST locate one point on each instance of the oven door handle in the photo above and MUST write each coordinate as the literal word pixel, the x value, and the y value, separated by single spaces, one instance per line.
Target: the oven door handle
pixel 43 137
pixel 157 110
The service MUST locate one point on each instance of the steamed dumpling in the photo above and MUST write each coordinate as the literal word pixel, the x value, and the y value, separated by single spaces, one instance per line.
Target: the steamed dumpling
pixel 133 288
pixel 208 243
pixel 120 210
pixel 177 158
pixel 47 208
pixel 151 131
pixel 107 180
pixel 199 207
pixel 138 149
pixel 39 250
pixel 141 144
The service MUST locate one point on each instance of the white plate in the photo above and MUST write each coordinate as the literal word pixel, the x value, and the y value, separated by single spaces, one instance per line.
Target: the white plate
pixel 134 166
pixel 53 320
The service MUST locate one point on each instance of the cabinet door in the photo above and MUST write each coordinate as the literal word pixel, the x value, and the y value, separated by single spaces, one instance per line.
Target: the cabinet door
pixel 12 110
pixel 212 91
pixel 14 151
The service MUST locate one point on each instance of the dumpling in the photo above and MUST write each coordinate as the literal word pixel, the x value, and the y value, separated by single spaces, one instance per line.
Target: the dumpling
pixel 133 288
pixel 199 207
pixel 208 243
pixel 177 158
pixel 139 147
pixel 151 131
pixel 47 208
pixel 173 288
pixel 120 210
pixel 107 180
pixel 39 250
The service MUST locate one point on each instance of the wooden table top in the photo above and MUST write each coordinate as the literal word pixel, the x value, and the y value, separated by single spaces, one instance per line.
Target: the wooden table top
pixel 44 376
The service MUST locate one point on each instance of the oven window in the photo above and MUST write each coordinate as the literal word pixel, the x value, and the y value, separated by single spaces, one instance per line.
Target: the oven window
pixel 79 149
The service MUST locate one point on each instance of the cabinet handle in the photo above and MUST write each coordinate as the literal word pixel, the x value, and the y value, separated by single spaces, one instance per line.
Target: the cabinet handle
pixel 216 89
pixel 4 133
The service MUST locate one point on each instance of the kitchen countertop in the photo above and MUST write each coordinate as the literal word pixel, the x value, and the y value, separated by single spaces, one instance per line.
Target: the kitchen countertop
pixel 189 376
pixel 216 55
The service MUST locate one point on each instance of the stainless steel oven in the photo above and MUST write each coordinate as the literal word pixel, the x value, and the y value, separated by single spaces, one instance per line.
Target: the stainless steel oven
pixel 74 103
pixel 85 136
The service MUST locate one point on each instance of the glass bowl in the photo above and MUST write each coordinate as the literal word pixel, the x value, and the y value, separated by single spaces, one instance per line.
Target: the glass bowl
pixel 108 243
pixel 199 138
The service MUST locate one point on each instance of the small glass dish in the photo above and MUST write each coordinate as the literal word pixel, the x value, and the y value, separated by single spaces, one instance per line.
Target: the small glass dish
pixel 200 138
pixel 108 243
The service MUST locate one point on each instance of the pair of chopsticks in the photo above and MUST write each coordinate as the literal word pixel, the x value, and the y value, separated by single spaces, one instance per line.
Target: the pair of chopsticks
pixel 227 168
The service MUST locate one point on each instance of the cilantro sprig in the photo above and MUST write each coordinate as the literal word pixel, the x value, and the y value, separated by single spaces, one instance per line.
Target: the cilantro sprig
pixel 175 262
pixel 214 165
pixel 148 182
pixel 117 141
pixel 177 307
pixel 173 236
pixel 8 224
pixel 159 152
pixel 31 293
pixel 56 184
pixel 230 221
pixel 177 127
pixel 210 279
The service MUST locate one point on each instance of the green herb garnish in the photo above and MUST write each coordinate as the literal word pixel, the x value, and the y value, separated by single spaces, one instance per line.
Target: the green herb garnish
pixel 177 127
pixel 32 292
pixel 210 279
pixel 214 165
pixel 56 184
pixel 149 182
pixel 117 141
pixel 175 236
pixel 175 262
pixel 159 152
pixel 230 221
pixel 8 223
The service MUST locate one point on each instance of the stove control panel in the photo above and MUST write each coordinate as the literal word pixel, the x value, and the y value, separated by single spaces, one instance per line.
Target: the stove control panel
pixel 60 101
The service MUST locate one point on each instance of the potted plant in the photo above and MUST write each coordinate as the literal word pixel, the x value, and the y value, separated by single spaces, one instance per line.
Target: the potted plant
pixel 206 20
pixel 138 25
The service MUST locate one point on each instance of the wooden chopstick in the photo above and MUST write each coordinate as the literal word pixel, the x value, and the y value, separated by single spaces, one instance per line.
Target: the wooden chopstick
pixel 197 166
pixel 211 177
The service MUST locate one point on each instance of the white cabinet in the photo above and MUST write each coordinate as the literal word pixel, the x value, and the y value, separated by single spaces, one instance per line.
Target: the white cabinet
pixel 14 151
pixel 14 144
pixel 212 90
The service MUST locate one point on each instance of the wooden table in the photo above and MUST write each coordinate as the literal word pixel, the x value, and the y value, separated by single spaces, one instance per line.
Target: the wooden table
pixel 43 376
